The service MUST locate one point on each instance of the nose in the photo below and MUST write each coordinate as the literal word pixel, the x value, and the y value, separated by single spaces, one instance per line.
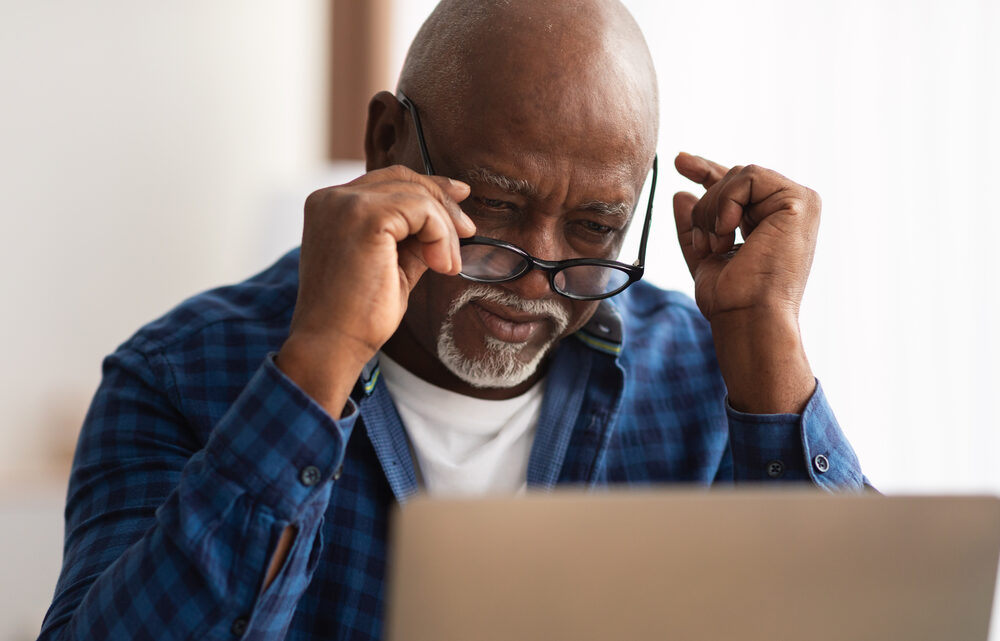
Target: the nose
pixel 532 286
pixel 535 284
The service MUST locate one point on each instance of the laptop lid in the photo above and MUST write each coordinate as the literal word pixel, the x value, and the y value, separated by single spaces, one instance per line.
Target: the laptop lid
pixel 693 565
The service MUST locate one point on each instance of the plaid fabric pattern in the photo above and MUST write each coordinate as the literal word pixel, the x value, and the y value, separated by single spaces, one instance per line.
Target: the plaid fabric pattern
pixel 197 452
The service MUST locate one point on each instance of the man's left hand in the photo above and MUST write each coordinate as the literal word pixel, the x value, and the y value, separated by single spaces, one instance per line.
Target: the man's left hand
pixel 751 293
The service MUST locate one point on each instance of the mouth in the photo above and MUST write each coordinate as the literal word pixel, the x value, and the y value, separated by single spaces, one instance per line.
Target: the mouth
pixel 506 324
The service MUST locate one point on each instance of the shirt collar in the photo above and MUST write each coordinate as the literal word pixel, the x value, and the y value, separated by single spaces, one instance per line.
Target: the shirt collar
pixel 603 332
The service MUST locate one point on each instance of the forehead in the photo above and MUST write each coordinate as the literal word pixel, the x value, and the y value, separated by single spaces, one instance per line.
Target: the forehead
pixel 521 147
pixel 542 82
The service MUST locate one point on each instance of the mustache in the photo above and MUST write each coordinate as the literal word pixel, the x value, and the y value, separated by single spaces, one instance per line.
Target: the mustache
pixel 535 307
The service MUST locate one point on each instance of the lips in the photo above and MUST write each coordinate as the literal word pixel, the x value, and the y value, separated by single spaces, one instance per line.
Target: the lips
pixel 506 324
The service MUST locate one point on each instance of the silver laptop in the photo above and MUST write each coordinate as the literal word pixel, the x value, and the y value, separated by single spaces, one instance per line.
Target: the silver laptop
pixel 713 566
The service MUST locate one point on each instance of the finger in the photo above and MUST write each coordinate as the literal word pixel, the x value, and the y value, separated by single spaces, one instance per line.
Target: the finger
pixel 701 170
pixel 454 192
pixel 684 203
pixel 446 190
pixel 751 195
pixel 441 252
pixel 425 219
pixel 456 221
pixel 721 243
pixel 704 217
pixel 401 195
pixel 456 189
pixel 449 192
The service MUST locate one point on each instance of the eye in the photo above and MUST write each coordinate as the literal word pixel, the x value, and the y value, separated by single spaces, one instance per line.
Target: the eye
pixel 597 228
pixel 493 203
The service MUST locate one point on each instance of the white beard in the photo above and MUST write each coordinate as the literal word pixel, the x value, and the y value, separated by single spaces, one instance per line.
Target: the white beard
pixel 501 366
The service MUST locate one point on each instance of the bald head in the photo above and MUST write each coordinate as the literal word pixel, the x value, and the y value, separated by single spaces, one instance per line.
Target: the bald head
pixel 578 61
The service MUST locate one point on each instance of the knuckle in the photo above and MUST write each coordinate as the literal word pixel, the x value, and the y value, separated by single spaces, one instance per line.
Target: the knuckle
pixel 315 200
pixel 338 200
pixel 380 221
pixel 399 171
pixel 422 180
pixel 795 205
pixel 804 203
pixel 351 202
pixel 354 209
pixel 355 202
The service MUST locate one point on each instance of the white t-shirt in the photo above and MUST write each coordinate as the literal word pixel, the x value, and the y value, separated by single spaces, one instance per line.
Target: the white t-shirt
pixel 464 446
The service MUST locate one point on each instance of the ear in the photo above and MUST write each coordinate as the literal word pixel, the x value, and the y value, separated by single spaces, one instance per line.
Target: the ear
pixel 382 132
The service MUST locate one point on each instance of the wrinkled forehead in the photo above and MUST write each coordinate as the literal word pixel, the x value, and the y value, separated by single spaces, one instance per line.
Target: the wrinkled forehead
pixel 532 108
pixel 526 141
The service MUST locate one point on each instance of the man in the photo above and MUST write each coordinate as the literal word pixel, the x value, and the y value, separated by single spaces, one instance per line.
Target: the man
pixel 220 489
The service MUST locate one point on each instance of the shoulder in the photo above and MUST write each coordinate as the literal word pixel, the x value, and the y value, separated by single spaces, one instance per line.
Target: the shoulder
pixel 174 379
pixel 204 351
pixel 250 307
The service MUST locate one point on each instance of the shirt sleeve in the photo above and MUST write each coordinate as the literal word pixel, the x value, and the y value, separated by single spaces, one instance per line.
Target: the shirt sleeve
pixel 169 538
pixel 807 447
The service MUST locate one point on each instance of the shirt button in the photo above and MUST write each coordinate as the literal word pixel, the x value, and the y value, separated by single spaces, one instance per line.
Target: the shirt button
pixel 775 469
pixel 309 475
pixel 338 472
pixel 821 463
pixel 239 626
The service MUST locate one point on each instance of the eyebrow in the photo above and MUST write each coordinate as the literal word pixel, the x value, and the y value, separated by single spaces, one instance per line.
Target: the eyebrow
pixel 506 183
pixel 618 209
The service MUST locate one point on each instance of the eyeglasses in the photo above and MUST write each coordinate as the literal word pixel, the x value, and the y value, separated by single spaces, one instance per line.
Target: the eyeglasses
pixel 487 260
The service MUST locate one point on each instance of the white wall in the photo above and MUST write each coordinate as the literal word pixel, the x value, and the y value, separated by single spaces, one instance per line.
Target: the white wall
pixel 146 147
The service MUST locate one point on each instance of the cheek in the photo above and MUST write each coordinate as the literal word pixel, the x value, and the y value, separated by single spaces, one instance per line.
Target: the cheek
pixel 428 305
pixel 580 312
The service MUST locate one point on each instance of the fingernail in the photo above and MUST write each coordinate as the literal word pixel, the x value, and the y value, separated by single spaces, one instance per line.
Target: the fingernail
pixel 713 242
pixel 698 239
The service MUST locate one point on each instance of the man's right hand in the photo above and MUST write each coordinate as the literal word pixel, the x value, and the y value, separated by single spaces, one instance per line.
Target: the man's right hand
pixel 364 247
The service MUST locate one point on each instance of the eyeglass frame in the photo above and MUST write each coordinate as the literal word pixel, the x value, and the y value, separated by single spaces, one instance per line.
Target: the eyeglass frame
pixel 634 271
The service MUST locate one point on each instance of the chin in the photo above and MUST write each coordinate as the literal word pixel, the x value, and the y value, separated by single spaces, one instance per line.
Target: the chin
pixel 472 346
pixel 497 364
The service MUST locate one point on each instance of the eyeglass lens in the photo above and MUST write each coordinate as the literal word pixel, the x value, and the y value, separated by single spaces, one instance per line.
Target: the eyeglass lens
pixel 493 264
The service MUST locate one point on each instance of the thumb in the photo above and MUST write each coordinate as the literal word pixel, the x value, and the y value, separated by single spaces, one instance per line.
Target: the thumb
pixel 684 203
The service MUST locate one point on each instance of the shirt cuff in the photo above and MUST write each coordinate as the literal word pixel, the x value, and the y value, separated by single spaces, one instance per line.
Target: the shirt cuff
pixel 278 443
pixel 794 447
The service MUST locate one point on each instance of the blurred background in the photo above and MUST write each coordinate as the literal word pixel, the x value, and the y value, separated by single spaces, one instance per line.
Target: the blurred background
pixel 149 151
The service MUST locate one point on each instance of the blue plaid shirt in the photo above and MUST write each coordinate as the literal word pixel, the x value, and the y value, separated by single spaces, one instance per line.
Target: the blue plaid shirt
pixel 197 452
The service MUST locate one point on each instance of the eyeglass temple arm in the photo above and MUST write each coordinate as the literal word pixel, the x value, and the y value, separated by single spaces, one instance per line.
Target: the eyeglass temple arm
pixel 412 108
pixel 649 217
